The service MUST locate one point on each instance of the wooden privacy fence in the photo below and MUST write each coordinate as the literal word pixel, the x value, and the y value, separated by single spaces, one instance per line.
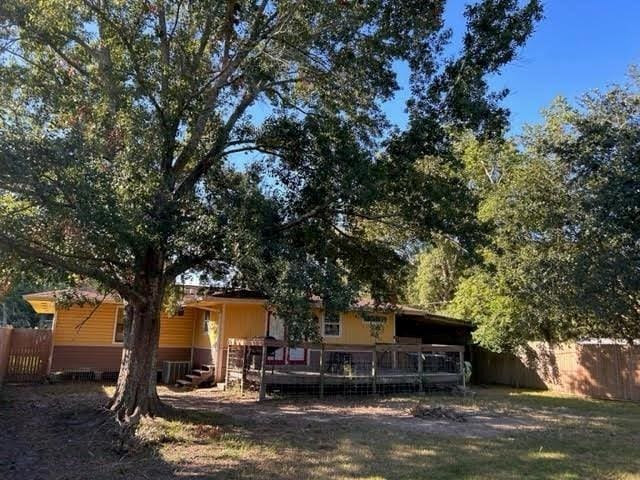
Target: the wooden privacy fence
pixel 610 371
pixel 24 354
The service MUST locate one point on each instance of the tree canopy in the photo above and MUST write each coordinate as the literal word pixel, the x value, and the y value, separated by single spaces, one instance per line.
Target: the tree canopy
pixel 122 123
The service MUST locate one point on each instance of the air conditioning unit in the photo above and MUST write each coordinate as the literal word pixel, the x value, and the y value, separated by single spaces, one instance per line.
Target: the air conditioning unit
pixel 174 370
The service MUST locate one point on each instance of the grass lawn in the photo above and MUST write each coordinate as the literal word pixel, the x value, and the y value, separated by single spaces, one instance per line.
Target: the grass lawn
pixel 59 432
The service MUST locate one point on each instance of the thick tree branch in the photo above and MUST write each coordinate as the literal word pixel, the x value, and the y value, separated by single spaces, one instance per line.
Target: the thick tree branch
pixel 218 148
pixel 56 261
pixel 229 66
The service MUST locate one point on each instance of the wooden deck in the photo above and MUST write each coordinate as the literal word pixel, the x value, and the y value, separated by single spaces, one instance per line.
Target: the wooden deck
pixel 310 377
pixel 371 368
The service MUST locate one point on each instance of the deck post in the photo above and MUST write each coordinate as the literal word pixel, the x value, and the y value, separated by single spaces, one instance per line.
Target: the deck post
pixel 374 364
pixel 322 370
pixel 462 369
pixel 394 360
pixel 263 363
pixel 420 371
pixel 243 369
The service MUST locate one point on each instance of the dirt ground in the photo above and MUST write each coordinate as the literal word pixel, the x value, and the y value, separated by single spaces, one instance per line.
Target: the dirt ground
pixel 366 412
pixel 62 432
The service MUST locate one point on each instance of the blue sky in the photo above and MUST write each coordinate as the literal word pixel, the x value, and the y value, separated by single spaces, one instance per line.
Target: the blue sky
pixel 579 45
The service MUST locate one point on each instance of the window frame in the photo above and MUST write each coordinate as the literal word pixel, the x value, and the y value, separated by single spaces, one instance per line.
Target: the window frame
pixel 119 308
pixel 338 322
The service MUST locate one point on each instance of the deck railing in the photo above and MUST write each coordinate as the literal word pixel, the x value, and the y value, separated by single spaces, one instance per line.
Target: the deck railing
pixel 371 368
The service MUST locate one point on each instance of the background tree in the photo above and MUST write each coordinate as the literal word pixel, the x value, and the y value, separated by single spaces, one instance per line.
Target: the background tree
pixel 562 260
pixel 121 124
pixel 597 145
pixel 438 269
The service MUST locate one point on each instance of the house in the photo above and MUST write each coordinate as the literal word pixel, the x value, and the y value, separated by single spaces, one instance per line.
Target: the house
pixel 88 337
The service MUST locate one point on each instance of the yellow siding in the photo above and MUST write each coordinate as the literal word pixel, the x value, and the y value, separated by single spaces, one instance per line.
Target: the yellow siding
pixel 177 331
pixel 354 331
pixel 201 338
pixel 243 321
pixel 99 328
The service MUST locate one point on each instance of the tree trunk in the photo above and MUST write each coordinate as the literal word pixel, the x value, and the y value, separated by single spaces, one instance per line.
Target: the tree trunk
pixel 136 394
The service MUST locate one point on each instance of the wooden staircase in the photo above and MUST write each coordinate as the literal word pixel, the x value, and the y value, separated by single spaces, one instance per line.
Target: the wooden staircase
pixel 197 376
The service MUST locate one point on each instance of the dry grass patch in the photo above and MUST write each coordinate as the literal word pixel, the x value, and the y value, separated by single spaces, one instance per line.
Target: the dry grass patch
pixel 57 432
pixel 183 426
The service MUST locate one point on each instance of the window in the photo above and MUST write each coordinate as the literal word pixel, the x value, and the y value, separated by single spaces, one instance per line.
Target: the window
pixel 118 333
pixel 206 322
pixel 331 325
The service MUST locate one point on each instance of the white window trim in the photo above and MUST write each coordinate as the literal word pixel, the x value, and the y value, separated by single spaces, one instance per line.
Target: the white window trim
pixel 115 326
pixel 339 322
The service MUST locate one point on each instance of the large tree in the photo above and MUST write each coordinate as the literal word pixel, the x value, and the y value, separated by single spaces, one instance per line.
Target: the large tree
pixel 122 124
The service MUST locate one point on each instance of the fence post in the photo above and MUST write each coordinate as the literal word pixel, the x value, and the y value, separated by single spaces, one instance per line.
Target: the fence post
pixel 5 348
pixel 374 364
pixel 322 370
pixel 420 371
pixel 263 362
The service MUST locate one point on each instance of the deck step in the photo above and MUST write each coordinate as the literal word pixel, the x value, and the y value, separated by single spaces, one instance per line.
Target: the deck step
pixel 191 377
pixel 200 371
pixel 210 367
pixel 184 382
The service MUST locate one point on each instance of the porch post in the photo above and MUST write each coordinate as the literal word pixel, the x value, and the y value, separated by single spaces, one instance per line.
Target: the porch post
pixel 462 369
pixel 263 362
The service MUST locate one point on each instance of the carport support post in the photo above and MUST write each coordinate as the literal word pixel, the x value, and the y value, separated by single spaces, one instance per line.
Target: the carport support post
pixel 263 362
pixel 462 370
pixel 374 364
pixel 322 371
pixel 420 371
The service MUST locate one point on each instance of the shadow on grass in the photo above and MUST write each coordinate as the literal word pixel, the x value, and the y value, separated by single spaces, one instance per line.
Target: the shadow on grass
pixel 63 431
pixel 60 432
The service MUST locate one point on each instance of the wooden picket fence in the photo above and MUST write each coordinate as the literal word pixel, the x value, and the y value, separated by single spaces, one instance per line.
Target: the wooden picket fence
pixel 24 354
